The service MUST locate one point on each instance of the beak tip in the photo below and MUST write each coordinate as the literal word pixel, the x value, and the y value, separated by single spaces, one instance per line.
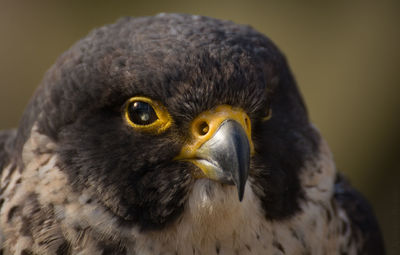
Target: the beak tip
pixel 240 193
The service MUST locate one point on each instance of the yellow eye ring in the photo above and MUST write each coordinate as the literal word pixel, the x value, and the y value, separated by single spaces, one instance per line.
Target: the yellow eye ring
pixel 269 115
pixel 154 116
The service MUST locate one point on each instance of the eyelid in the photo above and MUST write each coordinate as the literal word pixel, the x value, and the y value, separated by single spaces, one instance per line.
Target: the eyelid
pixel 163 122
pixel 269 115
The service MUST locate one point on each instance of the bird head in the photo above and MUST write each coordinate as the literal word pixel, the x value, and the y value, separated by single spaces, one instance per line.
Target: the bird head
pixel 144 110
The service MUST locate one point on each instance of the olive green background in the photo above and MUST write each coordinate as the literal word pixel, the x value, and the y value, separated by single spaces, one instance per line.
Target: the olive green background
pixel 344 54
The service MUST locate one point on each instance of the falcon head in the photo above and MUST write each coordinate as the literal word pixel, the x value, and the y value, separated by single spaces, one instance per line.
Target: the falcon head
pixel 157 117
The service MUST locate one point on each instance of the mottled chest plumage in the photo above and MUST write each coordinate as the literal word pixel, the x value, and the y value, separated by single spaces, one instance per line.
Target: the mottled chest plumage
pixel 174 134
pixel 43 215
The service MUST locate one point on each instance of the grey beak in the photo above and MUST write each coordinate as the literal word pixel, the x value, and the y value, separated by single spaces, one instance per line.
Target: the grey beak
pixel 227 154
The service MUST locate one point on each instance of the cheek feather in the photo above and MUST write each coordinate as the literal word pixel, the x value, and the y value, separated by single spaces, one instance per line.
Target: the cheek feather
pixel 99 163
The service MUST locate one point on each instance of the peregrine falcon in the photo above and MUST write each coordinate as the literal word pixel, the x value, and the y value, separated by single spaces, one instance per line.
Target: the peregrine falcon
pixel 174 134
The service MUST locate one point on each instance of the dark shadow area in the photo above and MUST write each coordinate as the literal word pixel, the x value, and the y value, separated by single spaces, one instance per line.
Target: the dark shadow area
pixel 345 57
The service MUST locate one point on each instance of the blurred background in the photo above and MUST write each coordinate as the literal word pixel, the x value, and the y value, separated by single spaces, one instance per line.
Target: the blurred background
pixel 345 57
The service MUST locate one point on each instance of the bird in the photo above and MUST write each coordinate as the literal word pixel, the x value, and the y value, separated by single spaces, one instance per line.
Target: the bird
pixel 175 134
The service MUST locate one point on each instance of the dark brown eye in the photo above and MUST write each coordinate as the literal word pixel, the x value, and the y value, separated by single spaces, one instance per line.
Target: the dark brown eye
pixel 147 115
pixel 141 113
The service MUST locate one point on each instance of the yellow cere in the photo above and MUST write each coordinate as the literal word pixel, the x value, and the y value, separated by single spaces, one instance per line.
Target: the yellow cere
pixel 163 122
pixel 207 123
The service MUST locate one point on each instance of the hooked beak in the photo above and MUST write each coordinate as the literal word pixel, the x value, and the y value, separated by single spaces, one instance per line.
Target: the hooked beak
pixel 221 146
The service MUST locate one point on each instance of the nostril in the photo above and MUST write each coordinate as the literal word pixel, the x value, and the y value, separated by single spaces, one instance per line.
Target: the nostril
pixel 247 121
pixel 203 128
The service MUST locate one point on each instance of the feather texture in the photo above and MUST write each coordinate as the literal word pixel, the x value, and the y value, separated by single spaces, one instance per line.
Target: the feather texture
pixel 76 178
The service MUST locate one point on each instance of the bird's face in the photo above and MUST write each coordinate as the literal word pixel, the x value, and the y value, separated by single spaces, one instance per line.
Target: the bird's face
pixel 144 152
pixel 140 118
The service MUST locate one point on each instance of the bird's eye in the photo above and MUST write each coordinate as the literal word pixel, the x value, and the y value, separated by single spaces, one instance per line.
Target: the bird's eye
pixel 141 113
pixel 147 115
pixel 268 115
